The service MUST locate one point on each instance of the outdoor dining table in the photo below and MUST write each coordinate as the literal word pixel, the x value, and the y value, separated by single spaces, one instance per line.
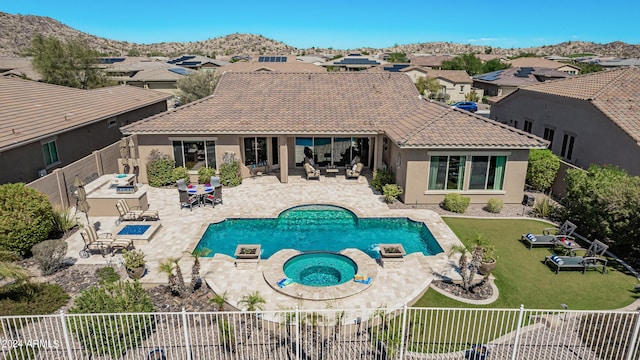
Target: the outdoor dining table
pixel 200 191
pixel 568 246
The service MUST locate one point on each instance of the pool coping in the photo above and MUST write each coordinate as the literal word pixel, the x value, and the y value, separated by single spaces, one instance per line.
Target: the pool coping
pixel 273 272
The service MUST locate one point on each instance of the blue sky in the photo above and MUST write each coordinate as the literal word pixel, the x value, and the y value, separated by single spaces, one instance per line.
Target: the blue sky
pixel 348 24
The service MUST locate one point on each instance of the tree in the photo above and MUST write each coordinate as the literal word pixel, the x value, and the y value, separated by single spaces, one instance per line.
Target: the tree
pixel 467 267
pixel 397 57
pixel 468 62
pixel 605 204
pixel 198 85
pixel 543 168
pixel 71 64
pixel 428 86
pixel 253 301
pixel 494 65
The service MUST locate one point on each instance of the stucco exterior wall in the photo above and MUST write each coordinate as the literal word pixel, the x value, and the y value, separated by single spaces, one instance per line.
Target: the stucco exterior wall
pixel 598 140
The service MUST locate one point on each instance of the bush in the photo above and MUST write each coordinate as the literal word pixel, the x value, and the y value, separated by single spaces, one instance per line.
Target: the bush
pixel 495 205
pixel 23 352
pixel 107 275
pixel 230 174
pixel 456 203
pixel 543 208
pixel 381 177
pixel 50 255
pixel 113 334
pixel 180 173
pixel 543 168
pixel 61 222
pixel 31 299
pixel 159 169
pixel 391 192
pixel 205 174
pixel 25 217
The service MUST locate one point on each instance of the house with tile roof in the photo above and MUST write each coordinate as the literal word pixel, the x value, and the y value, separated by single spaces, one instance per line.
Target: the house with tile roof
pixel 456 85
pixel 588 119
pixel 288 67
pixel 44 126
pixel 504 82
pixel 148 74
pixel 273 121
pixel 537 62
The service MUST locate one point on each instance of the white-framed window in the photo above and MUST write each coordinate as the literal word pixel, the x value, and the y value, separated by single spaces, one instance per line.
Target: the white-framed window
pixel 446 172
pixel 194 154
pixel 50 152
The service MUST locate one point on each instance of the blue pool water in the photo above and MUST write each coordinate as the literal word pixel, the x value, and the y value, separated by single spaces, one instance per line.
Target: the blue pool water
pixel 318 228
pixel 320 269
pixel 134 229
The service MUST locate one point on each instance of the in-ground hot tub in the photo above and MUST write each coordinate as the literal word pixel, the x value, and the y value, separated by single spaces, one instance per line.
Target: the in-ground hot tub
pixel 320 269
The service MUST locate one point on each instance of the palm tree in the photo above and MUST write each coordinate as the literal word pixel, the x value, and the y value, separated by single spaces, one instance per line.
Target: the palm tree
pixel 195 270
pixel 167 267
pixel 180 286
pixel 11 271
pixel 468 269
pixel 253 301
pixel 219 300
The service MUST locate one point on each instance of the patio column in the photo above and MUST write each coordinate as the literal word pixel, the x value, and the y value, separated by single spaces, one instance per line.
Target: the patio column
pixel 377 151
pixel 284 159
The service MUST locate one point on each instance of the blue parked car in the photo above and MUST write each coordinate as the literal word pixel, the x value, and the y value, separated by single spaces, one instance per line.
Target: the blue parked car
pixel 466 105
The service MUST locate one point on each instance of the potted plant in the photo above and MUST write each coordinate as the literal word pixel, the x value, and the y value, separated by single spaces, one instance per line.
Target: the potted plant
pixel 247 251
pixel 134 262
pixel 488 262
pixel 391 250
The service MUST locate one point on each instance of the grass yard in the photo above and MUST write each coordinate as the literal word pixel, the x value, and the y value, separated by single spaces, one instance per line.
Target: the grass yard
pixel 523 278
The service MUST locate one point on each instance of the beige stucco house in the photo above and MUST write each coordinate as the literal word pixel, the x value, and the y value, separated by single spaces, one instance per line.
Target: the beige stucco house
pixel 588 119
pixel 44 127
pixel 544 63
pixel 456 85
pixel 273 120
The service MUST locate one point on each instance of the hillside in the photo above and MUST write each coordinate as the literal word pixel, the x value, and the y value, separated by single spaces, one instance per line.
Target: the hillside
pixel 16 32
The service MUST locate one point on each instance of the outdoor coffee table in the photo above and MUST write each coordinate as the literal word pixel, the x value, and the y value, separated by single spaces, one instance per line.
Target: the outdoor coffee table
pixel 332 170
pixel 569 246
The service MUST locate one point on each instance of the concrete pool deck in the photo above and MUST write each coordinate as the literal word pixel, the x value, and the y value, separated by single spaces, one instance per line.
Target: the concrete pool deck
pixel 394 284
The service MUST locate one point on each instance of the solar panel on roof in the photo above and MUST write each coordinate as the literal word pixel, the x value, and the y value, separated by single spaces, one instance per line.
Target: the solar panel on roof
pixel 181 71
pixel 524 72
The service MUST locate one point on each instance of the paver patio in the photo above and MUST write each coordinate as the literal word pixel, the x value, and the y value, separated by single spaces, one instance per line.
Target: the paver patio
pixel 394 285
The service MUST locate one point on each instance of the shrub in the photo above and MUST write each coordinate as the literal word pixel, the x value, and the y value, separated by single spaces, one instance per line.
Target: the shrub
pixel 23 352
pixel 50 255
pixel 159 169
pixel 391 192
pixel 543 168
pixel 25 217
pixel 381 177
pixel 31 299
pixel 543 208
pixel 495 205
pixel 61 222
pixel 180 172
pixel 205 174
pixel 8 256
pixel 230 174
pixel 456 203
pixel 107 275
pixel 133 258
pixel 113 334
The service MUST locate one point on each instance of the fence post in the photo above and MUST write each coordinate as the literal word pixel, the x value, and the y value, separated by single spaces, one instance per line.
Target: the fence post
pixel 297 333
pixel 65 333
pixel 634 338
pixel 404 329
pixel 186 333
pixel 517 337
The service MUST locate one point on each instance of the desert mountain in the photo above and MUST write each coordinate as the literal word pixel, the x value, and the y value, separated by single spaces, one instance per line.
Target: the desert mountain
pixel 16 32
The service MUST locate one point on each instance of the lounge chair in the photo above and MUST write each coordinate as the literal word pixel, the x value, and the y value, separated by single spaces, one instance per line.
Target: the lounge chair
pixel 311 172
pixel 593 259
pixel 127 213
pixel 102 243
pixel 550 236
pixel 355 171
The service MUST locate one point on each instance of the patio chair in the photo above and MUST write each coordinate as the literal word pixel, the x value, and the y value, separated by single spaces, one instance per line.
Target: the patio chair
pixel 127 213
pixel 215 197
pixel 102 243
pixel 311 172
pixel 593 259
pixel 215 181
pixel 187 200
pixel 355 171
pixel 550 236
pixel 182 185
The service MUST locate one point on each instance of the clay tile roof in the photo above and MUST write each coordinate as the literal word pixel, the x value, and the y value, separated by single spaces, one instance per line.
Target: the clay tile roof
pixel 616 93
pixel 288 67
pixel 31 110
pixel 433 60
pixel 537 62
pixel 331 103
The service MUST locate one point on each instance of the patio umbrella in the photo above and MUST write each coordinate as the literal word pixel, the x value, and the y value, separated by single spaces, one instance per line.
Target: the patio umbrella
pixel 81 197
pixel 125 155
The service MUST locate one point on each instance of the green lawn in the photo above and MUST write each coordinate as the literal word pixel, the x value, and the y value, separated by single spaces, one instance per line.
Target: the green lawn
pixel 523 278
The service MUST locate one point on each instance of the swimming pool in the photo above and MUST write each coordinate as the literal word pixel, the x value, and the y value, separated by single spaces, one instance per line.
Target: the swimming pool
pixel 319 269
pixel 318 228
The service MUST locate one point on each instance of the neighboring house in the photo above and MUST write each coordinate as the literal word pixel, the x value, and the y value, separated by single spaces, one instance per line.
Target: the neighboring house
pixel 536 62
pixel 149 74
pixel 456 84
pixel 271 67
pixel 272 121
pixel 618 63
pixel 430 61
pixel 43 126
pixel 589 119
pixel 197 62
pixel 18 68
pixel 312 59
pixel 354 62
pixel 504 82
